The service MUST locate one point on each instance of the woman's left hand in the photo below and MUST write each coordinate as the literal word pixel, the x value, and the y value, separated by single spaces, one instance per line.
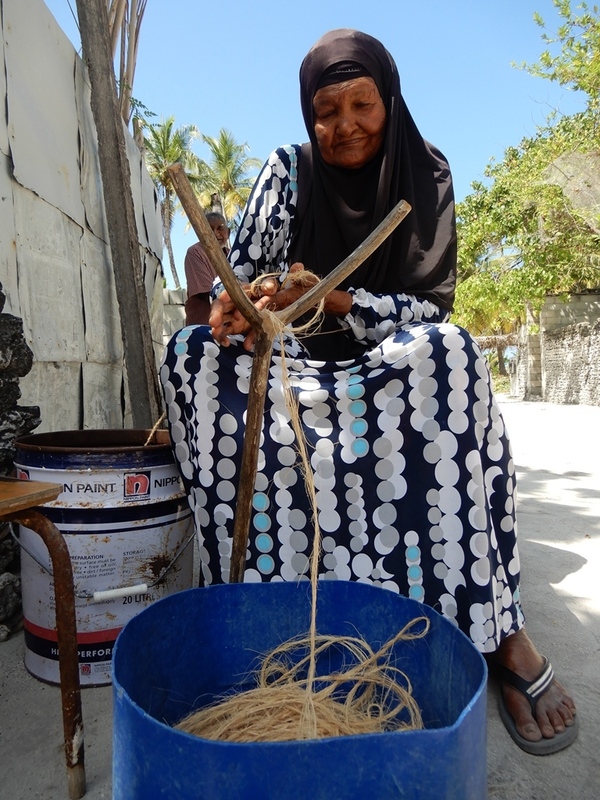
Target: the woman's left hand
pixel 283 295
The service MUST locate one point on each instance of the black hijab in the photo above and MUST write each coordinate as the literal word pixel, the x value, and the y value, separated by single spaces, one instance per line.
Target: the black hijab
pixel 338 208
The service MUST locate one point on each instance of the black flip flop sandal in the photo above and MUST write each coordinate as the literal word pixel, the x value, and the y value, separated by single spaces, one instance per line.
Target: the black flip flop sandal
pixel 532 690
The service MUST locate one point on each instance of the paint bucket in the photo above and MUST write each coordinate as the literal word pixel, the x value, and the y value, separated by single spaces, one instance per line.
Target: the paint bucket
pixel 126 522
pixel 199 644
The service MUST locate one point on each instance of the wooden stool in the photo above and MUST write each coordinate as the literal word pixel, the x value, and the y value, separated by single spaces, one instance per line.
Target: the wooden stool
pixel 18 501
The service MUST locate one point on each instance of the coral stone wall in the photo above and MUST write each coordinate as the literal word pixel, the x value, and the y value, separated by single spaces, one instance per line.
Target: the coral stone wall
pixel 561 363
pixel 572 364
pixel 15 362
pixel 570 345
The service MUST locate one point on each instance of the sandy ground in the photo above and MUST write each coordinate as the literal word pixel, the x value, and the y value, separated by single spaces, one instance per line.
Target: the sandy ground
pixel 557 453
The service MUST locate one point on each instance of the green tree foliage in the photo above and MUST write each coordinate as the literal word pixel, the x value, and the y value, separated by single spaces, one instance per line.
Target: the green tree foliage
pixel 520 237
pixel 227 184
pixel 164 144
pixel 577 65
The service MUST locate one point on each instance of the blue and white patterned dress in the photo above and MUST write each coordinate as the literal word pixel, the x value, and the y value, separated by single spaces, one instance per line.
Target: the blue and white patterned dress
pixel 412 467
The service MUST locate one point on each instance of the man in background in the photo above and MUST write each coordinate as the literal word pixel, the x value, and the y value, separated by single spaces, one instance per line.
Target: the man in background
pixel 199 272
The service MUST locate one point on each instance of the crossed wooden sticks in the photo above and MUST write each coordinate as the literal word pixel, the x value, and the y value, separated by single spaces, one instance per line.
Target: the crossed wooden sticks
pixel 265 331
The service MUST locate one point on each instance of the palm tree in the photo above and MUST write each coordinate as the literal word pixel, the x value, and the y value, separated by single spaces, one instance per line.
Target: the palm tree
pixel 227 183
pixel 165 145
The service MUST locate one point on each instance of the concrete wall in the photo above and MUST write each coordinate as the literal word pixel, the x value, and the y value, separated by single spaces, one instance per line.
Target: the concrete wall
pixel 529 367
pixel 55 259
pixel 579 308
pixel 173 311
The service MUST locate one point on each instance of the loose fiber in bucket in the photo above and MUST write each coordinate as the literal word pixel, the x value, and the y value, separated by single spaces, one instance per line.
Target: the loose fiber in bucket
pixel 367 694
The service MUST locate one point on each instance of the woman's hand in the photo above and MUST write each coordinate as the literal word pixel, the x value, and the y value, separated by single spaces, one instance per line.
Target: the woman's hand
pixel 227 320
pixel 337 302
pixel 282 296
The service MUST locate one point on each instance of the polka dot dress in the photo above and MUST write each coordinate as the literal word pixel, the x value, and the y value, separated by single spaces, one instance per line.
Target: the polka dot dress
pixel 412 468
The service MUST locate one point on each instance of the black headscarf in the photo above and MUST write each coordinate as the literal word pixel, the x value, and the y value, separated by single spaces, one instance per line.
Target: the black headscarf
pixel 338 208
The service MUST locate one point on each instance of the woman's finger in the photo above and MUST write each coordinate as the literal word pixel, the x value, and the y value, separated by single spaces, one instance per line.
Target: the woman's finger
pixel 269 287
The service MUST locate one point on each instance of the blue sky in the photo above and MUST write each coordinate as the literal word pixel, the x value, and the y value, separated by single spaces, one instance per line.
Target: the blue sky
pixel 237 68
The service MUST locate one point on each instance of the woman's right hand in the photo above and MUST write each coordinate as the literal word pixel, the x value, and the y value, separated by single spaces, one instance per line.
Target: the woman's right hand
pixel 227 320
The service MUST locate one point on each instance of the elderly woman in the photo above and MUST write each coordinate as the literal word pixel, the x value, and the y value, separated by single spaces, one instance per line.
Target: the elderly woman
pixel 412 468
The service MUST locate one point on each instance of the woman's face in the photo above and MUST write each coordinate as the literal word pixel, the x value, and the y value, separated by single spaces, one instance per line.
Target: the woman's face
pixel 349 120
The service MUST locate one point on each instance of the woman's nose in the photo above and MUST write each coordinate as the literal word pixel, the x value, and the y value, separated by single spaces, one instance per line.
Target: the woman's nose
pixel 345 124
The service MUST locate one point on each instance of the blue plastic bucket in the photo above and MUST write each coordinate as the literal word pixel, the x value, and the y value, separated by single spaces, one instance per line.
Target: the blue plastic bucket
pixel 125 519
pixel 176 655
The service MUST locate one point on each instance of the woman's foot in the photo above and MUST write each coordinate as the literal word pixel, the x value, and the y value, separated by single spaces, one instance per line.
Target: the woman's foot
pixel 555 708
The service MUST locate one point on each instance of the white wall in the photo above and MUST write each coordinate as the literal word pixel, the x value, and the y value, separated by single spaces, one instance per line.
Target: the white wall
pixel 55 259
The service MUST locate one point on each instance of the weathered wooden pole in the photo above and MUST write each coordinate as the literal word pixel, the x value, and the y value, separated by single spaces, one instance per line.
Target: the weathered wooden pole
pixel 265 331
pixel 140 363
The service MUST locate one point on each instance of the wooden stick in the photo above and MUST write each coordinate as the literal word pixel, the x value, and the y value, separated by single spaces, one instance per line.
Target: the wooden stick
pixel 265 330
pixel 348 265
pixel 223 269
pixel 203 231
pixel 142 384
pixel 257 391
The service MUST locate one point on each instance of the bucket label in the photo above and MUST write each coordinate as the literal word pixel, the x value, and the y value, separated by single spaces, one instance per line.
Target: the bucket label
pixel 118 547
pixel 108 488
pixel 137 485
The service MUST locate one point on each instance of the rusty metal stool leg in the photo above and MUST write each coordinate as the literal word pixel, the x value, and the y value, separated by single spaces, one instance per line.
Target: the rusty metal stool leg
pixel 66 629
